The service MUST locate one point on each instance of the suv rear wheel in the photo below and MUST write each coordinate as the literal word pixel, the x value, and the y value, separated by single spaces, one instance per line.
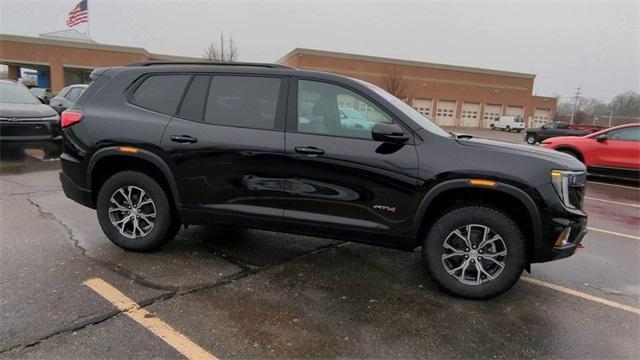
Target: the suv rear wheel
pixel 531 139
pixel 475 252
pixel 135 212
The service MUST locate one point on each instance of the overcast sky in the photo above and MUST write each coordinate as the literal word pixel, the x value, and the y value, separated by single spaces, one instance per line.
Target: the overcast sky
pixel 593 44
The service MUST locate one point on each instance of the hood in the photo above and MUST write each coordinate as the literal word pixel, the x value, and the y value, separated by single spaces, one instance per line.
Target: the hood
pixel 13 110
pixel 560 159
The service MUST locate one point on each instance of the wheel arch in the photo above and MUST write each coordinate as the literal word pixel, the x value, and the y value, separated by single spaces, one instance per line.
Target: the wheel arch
pixel 571 148
pixel 107 161
pixel 459 192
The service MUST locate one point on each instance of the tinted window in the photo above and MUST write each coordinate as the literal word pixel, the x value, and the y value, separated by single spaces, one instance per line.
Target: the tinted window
pixel 628 134
pixel 333 110
pixel 192 107
pixel 74 94
pixel 243 101
pixel 161 93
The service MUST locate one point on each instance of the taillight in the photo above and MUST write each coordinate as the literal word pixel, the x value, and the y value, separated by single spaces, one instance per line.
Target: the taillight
pixel 69 118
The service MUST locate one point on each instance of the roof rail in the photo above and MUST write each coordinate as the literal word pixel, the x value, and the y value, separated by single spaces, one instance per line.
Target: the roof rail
pixel 215 63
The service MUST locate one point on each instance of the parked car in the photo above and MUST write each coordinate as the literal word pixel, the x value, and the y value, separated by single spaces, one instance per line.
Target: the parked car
pixel 613 152
pixel 25 121
pixel 67 97
pixel 508 123
pixel 42 93
pixel 154 145
pixel 552 129
pixel 352 118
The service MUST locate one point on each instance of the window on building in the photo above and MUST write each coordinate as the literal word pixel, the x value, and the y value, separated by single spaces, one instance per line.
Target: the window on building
pixel 161 93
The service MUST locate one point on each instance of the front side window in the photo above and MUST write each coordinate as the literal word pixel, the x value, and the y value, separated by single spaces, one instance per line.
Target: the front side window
pixel 243 101
pixel 333 110
pixel 627 134
pixel 161 93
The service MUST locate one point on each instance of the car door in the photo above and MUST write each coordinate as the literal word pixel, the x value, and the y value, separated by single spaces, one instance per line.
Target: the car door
pixel 227 144
pixel 338 177
pixel 621 149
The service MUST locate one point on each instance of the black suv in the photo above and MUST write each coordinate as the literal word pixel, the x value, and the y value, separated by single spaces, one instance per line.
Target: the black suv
pixel 152 146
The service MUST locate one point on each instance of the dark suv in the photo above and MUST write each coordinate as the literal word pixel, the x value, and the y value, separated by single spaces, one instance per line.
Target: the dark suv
pixel 152 146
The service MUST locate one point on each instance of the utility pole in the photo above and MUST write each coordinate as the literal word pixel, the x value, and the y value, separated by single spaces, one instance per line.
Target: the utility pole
pixel 575 103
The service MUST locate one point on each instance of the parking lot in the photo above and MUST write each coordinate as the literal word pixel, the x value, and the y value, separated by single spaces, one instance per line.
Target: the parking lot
pixel 220 292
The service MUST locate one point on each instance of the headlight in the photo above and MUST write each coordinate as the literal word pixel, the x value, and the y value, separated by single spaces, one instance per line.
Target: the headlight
pixel 569 186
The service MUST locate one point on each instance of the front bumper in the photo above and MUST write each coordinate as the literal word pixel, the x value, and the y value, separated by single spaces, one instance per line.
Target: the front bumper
pixel 577 227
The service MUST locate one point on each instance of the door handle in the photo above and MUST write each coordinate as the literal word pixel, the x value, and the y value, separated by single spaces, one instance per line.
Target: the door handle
pixel 184 139
pixel 309 150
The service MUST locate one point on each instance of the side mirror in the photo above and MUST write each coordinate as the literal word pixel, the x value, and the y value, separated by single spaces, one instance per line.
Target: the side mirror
pixel 388 133
pixel 602 138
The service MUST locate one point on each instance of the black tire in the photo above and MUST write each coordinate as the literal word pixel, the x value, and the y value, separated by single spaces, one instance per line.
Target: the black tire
pixel 518 131
pixel 512 240
pixel 52 151
pixel 508 128
pixel 531 139
pixel 492 127
pixel 165 224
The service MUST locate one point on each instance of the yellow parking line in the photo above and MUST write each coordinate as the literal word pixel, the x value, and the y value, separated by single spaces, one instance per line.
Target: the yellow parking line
pixel 161 329
pixel 612 202
pixel 582 295
pixel 614 233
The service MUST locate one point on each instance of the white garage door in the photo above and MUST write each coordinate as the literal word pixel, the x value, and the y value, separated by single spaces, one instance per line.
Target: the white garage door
pixel 515 111
pixel 540 117
pixel 470 116
pixel 423 106
pixel 491 111
pixel 446 113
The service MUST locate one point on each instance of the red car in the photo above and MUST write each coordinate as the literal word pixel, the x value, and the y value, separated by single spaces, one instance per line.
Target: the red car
pixel 613 152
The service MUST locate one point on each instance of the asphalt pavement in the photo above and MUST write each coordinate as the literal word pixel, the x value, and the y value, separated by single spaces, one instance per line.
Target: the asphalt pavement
pixel 224 292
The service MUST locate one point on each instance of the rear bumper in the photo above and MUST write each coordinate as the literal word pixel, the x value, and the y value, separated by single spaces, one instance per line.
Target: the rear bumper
pixel 75 192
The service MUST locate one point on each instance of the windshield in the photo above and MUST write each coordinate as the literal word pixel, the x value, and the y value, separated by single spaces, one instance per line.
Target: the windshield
pixel 16 94
pixel 414 115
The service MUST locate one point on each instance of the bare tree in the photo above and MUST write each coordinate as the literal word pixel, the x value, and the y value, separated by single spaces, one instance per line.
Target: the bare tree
pixel 626 104
pixel 394 83
pixel 221 50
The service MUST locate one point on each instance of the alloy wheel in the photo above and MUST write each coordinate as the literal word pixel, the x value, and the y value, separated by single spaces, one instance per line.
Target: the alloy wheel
pixel 132 212
pixel 474 254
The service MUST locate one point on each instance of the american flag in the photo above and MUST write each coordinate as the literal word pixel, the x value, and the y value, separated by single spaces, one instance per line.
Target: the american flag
pixel 79 14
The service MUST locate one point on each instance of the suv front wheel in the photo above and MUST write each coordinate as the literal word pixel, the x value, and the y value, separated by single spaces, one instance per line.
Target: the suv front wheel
pixel 135 212
pixel 475 252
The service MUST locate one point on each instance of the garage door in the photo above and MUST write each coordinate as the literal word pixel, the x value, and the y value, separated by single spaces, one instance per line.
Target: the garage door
pixel 540 117
pixel 470 116
pixel 515 111
pixel 446 113
pixel 491 111
pixel 423 106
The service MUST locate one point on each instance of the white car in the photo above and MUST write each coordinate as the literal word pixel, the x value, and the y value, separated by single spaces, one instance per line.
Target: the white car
pixel 508 123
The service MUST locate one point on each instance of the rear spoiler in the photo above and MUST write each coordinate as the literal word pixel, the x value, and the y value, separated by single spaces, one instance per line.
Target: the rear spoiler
pixel 98 72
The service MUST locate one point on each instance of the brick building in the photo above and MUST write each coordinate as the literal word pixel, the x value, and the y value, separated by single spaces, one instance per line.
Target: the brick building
pixel 450 95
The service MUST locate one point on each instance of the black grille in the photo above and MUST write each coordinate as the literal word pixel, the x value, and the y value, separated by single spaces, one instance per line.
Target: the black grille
pixel 576 196
pixel 23 129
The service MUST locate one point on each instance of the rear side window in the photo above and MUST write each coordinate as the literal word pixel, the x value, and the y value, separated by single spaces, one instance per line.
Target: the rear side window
pixel 161 93
pixel 243 101
pixel 193 104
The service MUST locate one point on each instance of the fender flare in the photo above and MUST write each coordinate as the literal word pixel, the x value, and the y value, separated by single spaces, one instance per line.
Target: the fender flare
pixel 517 193
pixel 143 154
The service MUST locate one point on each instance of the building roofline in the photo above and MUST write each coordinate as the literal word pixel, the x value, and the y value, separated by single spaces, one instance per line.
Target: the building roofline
pixel 303 51
pixel 90 46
